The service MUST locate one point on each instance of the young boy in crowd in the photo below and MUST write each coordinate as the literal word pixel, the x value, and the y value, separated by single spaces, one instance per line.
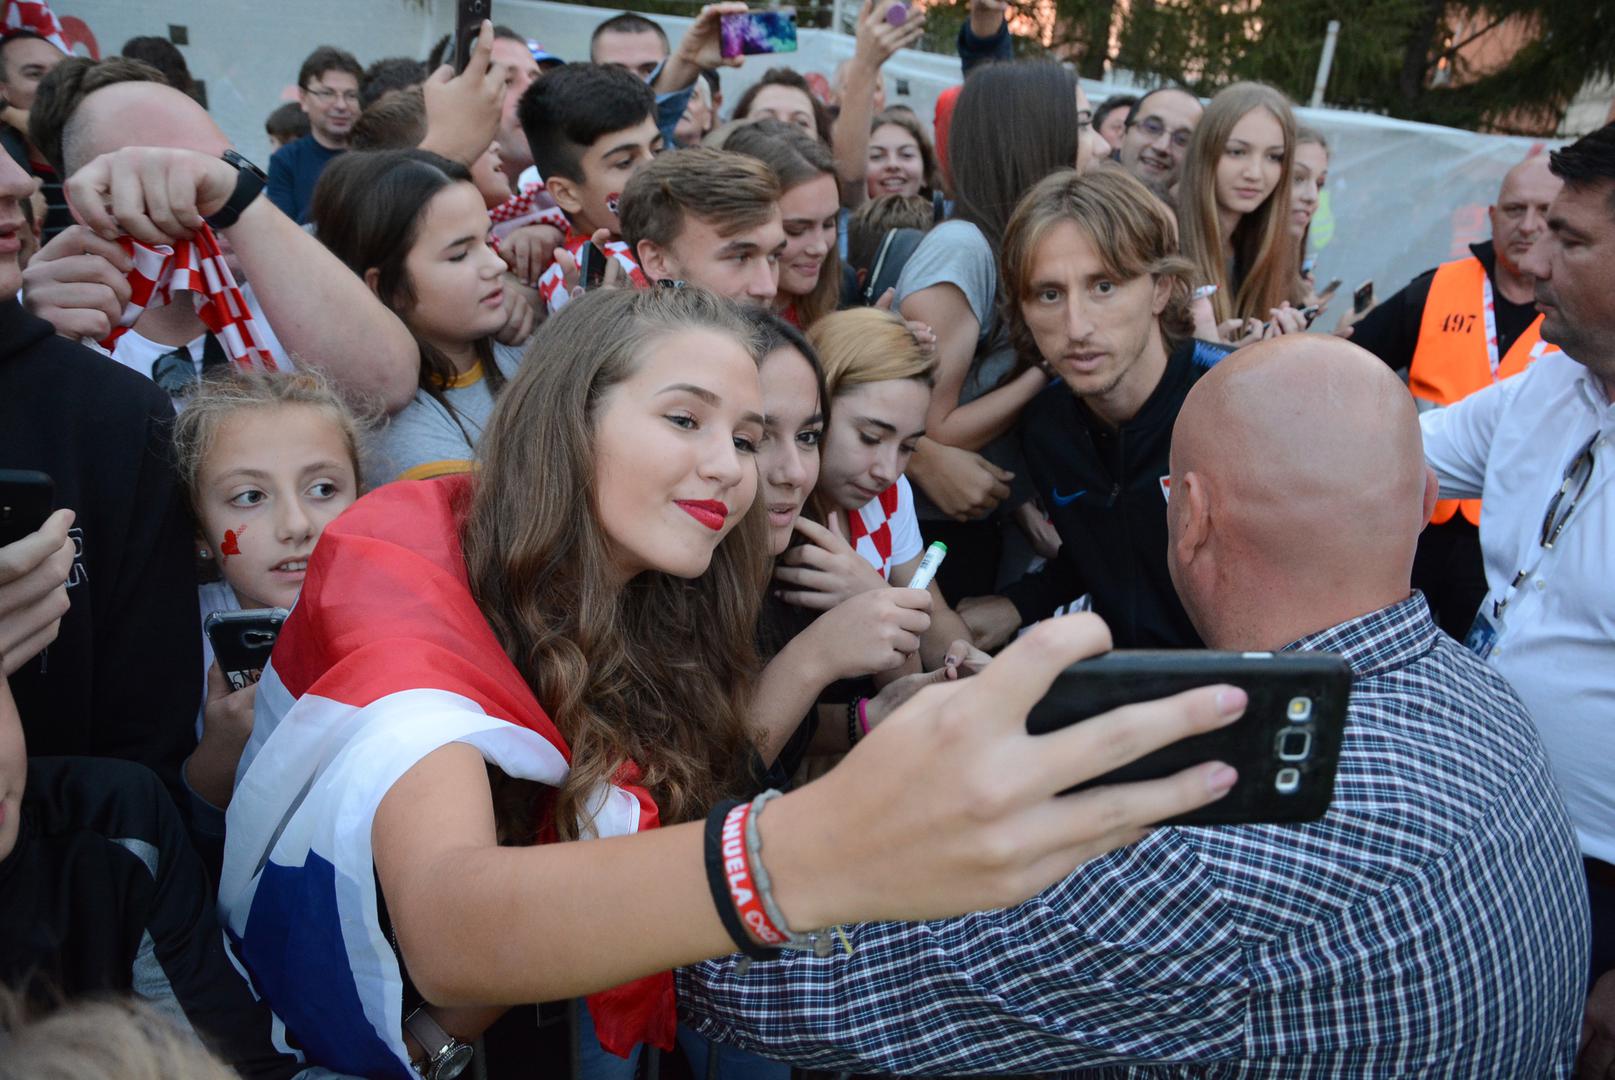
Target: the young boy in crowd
pixel 709 218
pixel 590 127
pixel 871 222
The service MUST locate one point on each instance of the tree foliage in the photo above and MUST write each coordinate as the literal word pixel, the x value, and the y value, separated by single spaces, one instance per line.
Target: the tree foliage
pixel 1408 58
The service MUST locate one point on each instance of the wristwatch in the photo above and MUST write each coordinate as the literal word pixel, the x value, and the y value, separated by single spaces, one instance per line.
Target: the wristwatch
pixel 250 180
pixel 446 1056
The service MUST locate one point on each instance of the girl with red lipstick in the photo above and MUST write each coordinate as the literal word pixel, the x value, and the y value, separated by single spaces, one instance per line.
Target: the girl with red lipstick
pixel 810 206
pixel 1234 208
pixel 414 226
pixel 485 668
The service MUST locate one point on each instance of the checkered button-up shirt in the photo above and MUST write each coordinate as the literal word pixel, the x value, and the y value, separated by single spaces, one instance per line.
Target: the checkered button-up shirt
pixel 1434 923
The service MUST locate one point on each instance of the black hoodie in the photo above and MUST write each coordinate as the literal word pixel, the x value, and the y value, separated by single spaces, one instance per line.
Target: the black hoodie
pixel 123 678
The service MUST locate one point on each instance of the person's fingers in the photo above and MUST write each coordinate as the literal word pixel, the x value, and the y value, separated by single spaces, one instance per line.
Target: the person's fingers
pixel 481 58
pixel 180 195
pixel 21 556
pixel 1043 652
pixel 913 622
pixel 837 529
pixel 218 687
pixel 906 642
pixel 1108 741
pixel 75 241
pixel 19 653
pixel 913 599
pixel 802 578
pixel 569 270
pixel 130 208
pixel 87 197
pixel 1000 491
pixel 1003 474
pixel 886 299
pixel 815 532
pixel 813 601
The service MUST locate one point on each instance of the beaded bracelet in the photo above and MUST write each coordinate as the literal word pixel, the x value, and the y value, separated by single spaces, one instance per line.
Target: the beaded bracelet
pixel 855 730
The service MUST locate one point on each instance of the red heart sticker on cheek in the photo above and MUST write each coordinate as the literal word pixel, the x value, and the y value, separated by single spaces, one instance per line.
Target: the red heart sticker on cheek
pixel 228 546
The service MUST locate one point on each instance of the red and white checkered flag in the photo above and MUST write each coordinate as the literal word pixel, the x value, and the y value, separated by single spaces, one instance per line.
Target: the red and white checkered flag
pixel 195 265
pixel 37 16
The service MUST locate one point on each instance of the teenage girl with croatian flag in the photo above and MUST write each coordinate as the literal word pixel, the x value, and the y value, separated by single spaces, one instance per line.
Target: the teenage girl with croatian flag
pixel 484 669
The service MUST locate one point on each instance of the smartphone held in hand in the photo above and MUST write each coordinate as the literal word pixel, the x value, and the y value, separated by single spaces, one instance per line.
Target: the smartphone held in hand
pixel 1285 747
pixel 243 640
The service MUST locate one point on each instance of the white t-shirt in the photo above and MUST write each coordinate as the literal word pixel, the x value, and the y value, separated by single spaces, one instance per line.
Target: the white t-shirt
pixel 141 354
pixel 885 530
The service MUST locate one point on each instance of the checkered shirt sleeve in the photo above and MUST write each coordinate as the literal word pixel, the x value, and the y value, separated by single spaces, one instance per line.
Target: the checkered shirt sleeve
pixel 1434 923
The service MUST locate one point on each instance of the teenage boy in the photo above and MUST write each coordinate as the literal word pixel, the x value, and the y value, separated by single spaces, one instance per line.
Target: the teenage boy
pixel 1097 291
pixel 328 90
pixel 709 218
pixel 590 127
pixel 26 57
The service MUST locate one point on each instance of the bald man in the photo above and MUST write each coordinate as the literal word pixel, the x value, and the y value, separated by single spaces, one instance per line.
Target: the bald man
pixel 1438 328
pixel 1434 922
pixel 114 124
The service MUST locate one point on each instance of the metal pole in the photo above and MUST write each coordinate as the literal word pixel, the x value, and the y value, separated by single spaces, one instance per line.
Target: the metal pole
pixel 1324 64
pixel 836 22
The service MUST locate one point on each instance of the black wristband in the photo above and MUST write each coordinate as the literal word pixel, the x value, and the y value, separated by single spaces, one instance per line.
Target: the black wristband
pixel 719 883
pixel 249 185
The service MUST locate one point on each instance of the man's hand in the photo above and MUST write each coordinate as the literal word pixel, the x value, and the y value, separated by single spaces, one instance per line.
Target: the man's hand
pixel 1596 1061
pixel 153 194
pixel 528 251
pixel 700 48
pixel 992 620
pixel 462 111
pixel 78 283
pixel 1044 537
pixel 33 590
pixel 519 320
pixel 963 484
pixel 826 571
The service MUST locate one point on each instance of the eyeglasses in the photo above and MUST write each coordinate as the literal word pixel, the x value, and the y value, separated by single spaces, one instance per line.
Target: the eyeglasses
pixel 1153 127
pixel 1084 118
pixel 325 95
pixel 1578 475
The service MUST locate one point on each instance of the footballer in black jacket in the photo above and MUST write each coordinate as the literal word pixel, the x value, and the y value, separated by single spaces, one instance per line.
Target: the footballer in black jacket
pixel 1106 490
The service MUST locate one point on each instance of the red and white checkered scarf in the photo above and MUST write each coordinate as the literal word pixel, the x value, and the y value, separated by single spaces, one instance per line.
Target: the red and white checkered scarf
pixel 197 266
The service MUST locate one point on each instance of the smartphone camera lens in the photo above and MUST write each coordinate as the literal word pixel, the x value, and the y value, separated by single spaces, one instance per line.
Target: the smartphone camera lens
pixel 1300 710
pixel 1295 745
pixel 1288 781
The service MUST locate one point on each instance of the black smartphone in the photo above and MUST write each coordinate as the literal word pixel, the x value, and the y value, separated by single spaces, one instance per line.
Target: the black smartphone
pixel 1285 747
pixel 1363 298
pixel 243 640
pixel 592 265
pixel 25 502
pixel 757 33
pixel 468 16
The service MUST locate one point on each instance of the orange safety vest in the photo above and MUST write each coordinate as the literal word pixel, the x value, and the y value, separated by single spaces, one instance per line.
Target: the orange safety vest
pixel 1455 353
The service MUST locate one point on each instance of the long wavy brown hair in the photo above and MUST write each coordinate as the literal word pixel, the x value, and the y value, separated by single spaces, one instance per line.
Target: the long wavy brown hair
pixel 657 672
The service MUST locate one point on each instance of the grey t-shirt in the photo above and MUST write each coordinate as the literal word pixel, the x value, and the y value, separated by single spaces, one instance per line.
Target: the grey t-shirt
pixel 423 440
pixel 956 253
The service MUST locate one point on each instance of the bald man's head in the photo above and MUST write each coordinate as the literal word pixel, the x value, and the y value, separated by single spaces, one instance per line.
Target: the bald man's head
pixel 1298 491
pixel 1520 215
pixel 137 114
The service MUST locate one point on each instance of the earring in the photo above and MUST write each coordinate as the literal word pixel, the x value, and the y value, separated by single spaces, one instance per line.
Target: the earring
pixel 204 553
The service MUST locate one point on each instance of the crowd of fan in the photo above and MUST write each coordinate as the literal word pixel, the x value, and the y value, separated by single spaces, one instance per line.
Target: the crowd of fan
pixel 593 431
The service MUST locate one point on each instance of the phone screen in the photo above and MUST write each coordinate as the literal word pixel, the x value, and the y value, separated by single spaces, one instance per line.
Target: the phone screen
pixel 592 265
pixel 1363 298
pixel 757 33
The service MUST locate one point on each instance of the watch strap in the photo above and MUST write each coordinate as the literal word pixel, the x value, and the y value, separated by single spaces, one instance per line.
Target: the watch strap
pixel 249 185
pixel 430 1034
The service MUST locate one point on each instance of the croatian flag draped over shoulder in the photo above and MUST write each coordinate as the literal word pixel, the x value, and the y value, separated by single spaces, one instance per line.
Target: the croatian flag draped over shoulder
pixel 385 658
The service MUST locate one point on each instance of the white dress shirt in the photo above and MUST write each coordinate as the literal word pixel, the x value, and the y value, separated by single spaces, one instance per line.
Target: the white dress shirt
pixel 1512 443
